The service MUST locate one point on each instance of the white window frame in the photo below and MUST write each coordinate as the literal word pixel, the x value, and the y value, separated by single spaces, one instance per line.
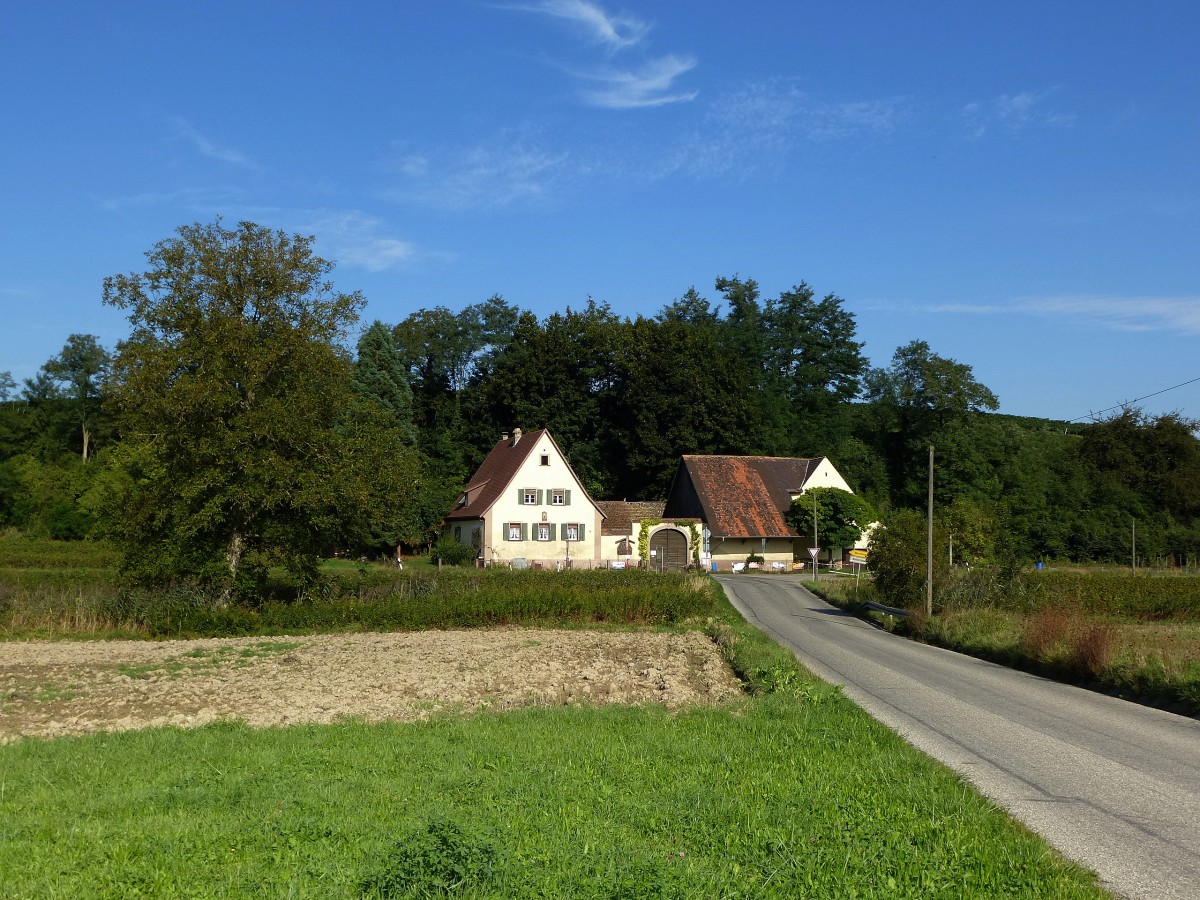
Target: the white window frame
pixel 558 497
pixel 514 531
pixel 545 459
pixel 571 531
pixel 530 497
pixel 543 531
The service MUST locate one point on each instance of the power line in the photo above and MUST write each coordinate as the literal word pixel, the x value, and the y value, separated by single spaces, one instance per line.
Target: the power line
pixel 1135 400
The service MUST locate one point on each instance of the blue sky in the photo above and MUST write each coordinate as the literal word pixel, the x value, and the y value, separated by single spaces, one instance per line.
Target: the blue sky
pixel 1018 183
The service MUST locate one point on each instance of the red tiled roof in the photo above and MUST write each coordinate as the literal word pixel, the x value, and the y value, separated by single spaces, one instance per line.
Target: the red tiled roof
pixel 747 496
pixel 619 515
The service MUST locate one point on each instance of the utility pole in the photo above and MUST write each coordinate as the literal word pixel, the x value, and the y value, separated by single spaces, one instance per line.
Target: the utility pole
pixel 1134 561
pixel 929 545
pixel 815 544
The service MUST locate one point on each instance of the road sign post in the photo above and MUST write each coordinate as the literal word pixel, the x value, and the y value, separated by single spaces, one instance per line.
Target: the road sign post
pixel 814 552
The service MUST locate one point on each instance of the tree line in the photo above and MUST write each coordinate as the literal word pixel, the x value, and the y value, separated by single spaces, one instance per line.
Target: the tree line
pixel 237 427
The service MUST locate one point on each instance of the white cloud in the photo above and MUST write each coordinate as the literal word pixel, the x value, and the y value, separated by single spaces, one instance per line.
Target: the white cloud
pixel 648 86
pixel 634 85
pixel 188 132
pixel 616 31
pixel 760 124
pixel 1013 113
pixel 355 239
pixel 1179 315
pixel 506 171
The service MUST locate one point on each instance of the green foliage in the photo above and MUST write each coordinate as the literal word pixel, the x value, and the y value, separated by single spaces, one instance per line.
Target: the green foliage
pixel 381 377
pixel 898 559
pixel 242 442
pixel 841 516
pixel 436 860
pixel 369 599
pixel 453 553
pixel 81 368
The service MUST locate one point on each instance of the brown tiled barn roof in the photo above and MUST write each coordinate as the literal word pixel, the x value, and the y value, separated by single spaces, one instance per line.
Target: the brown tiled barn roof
pixel 747 496
pixel 619 515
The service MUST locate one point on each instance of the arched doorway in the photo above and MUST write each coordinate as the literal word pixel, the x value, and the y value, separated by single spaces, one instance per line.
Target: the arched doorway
pixel 671 547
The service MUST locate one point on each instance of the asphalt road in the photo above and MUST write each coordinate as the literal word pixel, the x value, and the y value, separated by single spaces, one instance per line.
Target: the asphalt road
pixel 1113 785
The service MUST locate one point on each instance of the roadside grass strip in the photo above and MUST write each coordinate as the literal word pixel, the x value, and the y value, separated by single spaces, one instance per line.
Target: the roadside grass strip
pixel 779 796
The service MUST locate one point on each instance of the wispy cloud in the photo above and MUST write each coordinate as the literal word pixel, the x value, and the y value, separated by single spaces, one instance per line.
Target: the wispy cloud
pixel 648 86
pixel 613 30
pixel 637 84
pixel 356 239
pixel 510 170
pixel 1179 315
pixel 1013 113
pixel 205 147
pixel 760 124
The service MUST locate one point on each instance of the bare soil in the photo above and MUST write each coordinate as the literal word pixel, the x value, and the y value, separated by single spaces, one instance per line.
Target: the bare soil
pixel 48 689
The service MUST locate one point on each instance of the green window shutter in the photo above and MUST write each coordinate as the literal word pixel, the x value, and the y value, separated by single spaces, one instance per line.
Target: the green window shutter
pixel 553 530
pixel 520 495
pixel 541 498
pixel 582 529
pixel 524 532
pixel 567 501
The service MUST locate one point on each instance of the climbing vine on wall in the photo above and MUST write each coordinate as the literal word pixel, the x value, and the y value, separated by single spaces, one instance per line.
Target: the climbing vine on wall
pixel 644 538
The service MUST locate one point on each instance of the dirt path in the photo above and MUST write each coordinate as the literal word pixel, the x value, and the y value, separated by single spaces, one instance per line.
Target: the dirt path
pixel 49 689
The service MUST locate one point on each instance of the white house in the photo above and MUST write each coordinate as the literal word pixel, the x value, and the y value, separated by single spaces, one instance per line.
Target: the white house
pixel 525 506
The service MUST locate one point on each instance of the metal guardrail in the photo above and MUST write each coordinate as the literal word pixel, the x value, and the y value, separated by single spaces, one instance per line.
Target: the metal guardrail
pixel 889 610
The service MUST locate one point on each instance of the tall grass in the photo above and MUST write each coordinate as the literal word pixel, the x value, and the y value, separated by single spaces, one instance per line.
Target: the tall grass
pixel 368 599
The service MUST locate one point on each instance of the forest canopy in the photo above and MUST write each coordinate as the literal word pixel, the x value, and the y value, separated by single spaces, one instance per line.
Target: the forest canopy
pixel 249 420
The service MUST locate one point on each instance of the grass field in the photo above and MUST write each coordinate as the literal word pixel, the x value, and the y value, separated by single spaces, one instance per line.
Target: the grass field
pixel 790 792
pixel 795 794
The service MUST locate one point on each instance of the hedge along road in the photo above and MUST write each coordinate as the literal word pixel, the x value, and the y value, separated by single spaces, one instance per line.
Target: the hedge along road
pixel 1113 785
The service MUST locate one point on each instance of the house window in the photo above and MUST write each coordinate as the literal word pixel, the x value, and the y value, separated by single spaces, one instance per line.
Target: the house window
pixel 458 533
pixel 543 531
pixel 531 496
pixel 570 532
pixel 545 459
pixel 558 497
pixel 514 531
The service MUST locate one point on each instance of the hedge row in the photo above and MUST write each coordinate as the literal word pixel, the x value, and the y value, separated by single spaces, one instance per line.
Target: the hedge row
pixel 382 600
pixel 1119 595
pixel 26 553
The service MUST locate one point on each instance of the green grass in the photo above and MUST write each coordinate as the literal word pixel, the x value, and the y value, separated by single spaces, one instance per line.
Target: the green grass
pixel 780 796
pixel 791 792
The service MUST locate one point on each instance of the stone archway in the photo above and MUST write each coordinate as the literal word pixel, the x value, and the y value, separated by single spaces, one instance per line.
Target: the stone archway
pixel 672 549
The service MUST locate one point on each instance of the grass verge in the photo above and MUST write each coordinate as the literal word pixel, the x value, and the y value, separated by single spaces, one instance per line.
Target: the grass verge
pixel 1150 661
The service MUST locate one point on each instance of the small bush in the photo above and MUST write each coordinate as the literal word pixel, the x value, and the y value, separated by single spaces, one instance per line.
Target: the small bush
pixel 434 861
pixel 1093 647
pixel 452 553
pixel 1045 630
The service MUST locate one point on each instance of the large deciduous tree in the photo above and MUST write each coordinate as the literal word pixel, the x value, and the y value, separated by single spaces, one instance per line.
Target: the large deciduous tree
pixel 235 401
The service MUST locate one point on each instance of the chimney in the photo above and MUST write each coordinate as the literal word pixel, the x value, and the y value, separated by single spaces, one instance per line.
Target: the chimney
pixel 503 437
pixel 516 436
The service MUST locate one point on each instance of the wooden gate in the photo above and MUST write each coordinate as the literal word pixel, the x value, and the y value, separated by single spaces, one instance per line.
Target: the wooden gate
pixel 672 550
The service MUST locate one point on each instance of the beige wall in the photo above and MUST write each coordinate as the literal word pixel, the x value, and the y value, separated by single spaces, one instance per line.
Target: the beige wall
pixel 577 509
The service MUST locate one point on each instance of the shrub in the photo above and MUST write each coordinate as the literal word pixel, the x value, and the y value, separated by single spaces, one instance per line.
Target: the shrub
pixel 452 552
pixel 1092 649
pixel 434 861
pixel 1045 630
